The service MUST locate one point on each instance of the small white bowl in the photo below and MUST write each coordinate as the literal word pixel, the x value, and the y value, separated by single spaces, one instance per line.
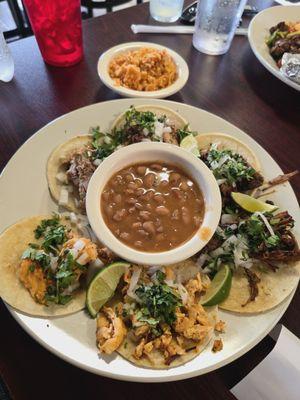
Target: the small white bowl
pixel 151 152
pixel 105 59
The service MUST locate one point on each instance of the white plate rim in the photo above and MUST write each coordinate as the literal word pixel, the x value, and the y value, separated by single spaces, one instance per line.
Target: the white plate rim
pixel 171 377
pixel 265 59
pixel 105 58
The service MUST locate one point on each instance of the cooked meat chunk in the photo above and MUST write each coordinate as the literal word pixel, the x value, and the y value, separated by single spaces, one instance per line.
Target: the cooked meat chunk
pixel 79 173
pixel 281 26
pixel 253 280
pixel 218 345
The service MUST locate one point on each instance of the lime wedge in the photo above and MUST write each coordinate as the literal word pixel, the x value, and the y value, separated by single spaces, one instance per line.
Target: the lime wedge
pixel 219 288
pixel 103 286
pixel 190 144
pixel 251 204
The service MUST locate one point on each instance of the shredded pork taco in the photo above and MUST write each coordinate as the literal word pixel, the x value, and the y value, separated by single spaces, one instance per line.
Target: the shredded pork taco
pixel 155 319
pixel 43 265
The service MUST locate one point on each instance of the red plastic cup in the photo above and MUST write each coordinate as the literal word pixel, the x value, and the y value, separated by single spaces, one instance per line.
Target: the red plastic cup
pixel 58 30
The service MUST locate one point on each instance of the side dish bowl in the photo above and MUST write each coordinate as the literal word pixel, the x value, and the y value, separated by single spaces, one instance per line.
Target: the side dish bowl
pixel 259 31
pixel 106 58
pixel 153 152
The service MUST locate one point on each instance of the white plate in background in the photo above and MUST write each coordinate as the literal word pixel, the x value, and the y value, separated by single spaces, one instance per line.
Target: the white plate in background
pixel 259 31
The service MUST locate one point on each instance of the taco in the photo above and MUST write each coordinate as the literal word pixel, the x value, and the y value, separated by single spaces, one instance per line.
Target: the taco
pixel 155 319
pixel 43 264
pixel 260 247
pixel 234 164
pixel 71 165
pixel 151 123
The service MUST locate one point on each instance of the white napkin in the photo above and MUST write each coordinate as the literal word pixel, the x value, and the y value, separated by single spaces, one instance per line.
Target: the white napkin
pixel 180 29
pixel 277 377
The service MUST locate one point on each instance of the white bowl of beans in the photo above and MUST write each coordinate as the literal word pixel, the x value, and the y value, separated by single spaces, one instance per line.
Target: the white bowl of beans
pixel 153 203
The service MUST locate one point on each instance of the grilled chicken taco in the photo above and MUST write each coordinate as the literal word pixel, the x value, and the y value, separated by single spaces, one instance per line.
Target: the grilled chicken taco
pixel 155 319
pixel 43 264
pixel 71 165
pixel 259 246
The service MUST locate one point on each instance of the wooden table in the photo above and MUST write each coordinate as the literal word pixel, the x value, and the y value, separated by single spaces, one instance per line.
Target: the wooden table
pixel 234 86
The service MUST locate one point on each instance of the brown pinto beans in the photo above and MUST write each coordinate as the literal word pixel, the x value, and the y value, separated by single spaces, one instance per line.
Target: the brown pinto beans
pixel 152 207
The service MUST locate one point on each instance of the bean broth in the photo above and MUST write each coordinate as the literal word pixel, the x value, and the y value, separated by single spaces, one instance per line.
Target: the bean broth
pixel 152 207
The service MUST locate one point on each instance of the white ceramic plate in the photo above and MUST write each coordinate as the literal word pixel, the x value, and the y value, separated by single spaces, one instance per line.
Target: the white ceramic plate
pixel 259 31
pixel 287 3
pixel 24 192
pixel 105 58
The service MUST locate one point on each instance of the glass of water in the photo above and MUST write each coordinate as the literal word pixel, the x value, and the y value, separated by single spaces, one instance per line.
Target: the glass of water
pixel 166 10
pixel 215 25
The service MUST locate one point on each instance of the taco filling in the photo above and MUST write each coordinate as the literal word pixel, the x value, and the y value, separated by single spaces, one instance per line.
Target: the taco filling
pixel 156 316
pixel 232 171
pixel 52 269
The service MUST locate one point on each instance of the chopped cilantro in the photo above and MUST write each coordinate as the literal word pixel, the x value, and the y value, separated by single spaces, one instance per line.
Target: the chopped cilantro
pixel 182 133
pixel 158 302
pixel 228 165
pixel 52 232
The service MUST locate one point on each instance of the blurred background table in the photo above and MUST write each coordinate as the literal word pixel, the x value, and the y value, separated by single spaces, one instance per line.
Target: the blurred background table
pixel 234 86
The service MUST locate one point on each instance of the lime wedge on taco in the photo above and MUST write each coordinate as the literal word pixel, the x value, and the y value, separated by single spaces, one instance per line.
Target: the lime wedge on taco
pixel 219 288
pixel 103 286
pixel 190 144
pixel 251 204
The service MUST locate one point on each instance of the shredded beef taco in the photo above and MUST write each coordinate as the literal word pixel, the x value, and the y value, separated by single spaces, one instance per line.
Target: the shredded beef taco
pixel 43 265
pixel 260 246
pixel 69 169
pixel 155 319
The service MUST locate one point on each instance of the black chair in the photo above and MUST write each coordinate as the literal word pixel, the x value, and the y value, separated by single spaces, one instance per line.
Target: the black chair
pixel 20 18
pixel 90 5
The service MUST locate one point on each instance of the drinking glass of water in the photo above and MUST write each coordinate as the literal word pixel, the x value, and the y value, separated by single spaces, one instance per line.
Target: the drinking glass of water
pixel 166 10
pixel 216 22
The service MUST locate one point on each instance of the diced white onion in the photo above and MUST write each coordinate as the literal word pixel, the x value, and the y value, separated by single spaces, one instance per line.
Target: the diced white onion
pixel 227 219
pixel 73 218
pixel 97 263
pixel 133 283
pixel 83 219
pixel 217 252
pixel 83 258
pixel 97 162
pixel 167 129
pixel 53 263
pixel 63 196
pixel 201 259
pixel 221 181
pixel 233 227
pixel 146 140
pixel 146 131
pixel 61 177
pixel 79 245
pixel 266 222
pixel 158 129
pixel 71 288
pixel 223 160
